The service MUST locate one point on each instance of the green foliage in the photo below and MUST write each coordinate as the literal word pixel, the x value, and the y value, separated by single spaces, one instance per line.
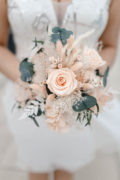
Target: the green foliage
pixel 86 103
pixel 98 108
pixel 40 50
pixel 85 115
pixel 98 73
pixel 106 76
pixel 34 120
pixel 37 42
pixel 60 34
pixel 39 112
pixel 89 118
pixel 26 69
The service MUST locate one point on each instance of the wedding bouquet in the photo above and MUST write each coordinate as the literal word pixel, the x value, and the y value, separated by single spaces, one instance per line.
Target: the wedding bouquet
pixel 61 81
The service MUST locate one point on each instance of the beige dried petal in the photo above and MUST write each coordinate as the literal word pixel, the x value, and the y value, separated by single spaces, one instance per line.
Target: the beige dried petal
pixel 50 97
pixel 74 51
pixel 38 89
pixel 22 94
pixel 35 58
pixel 70 42
pixel 87 86
pixel 77 66
pixel 58 125
pixel 102 97
pixel 59 48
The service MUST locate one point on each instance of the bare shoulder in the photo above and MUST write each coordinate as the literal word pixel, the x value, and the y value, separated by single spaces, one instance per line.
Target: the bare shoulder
pixel 4 24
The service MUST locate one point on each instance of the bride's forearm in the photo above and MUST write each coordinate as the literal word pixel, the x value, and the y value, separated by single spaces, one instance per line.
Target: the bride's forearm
pixel 9 64
pixel 108 54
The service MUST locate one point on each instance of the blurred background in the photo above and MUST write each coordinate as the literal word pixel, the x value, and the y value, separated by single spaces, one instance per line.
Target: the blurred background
pixel 104 166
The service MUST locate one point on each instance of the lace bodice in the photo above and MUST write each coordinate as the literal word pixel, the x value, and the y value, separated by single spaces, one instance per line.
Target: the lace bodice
pixel 30 19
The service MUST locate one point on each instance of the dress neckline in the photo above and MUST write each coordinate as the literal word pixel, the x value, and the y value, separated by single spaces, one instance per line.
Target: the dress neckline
pixel 60 9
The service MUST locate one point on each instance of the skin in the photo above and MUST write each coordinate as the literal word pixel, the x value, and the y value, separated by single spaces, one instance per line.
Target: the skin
pixel 33 176
pixel 63 175
pixel 110 35
pixel 9 65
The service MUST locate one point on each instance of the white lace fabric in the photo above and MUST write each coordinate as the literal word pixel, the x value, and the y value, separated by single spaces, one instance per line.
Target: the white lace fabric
pixel 30 19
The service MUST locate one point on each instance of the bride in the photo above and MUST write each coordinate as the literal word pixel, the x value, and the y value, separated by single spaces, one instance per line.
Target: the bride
pixel 41 151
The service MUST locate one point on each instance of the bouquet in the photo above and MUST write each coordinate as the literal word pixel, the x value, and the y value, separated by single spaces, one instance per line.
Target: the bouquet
pixel 61 81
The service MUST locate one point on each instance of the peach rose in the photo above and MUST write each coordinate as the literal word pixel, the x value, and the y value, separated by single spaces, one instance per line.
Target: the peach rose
pixel 62 82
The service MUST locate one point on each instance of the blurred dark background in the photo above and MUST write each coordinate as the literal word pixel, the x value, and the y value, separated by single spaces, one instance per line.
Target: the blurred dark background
pixel 11 44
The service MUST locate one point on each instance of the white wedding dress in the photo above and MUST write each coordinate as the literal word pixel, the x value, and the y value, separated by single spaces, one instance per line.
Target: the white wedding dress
pixel 39 149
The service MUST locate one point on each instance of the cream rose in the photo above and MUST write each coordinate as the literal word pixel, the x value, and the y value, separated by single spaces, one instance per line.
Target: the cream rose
pixel 62 82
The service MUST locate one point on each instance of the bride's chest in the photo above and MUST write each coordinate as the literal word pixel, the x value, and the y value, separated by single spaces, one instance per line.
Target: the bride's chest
pixel 36 15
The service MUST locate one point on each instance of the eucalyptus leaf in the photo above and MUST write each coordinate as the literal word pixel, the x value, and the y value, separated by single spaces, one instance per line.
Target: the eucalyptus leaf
pixel 34 120
pixel 26 69
pixel 63 30
pixel 84 104
pixel 55 37
pixel 64 41
pixel 90 101
pixel 98 108
pixel 56 29
pixel 39 112
pixel 40 50
pixel 60 34
pixel 98 73
pixel 89 118
pixel 106 76
pixel 37 42
pixel 79 106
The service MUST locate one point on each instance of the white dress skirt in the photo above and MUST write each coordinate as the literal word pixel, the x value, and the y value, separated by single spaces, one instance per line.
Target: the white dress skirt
pixel 39 149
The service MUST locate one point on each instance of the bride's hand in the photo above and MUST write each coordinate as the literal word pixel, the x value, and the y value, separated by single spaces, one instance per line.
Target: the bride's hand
pixel 37 89
pixel 23 84
pixel 103 69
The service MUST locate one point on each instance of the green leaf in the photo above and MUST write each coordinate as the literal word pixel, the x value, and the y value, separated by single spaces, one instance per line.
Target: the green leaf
pixel 40 50
pixel 89 118
pixel 34 120
pixel 40 42
pixel 26 69
pixel 56 29
pixel 79 106
pixel 90 101
pixel 60 34
pixel 98 108
pixel 55 37
pixel 98 73
pixel 39 112
pixel 106 76
pixel 67 34
pixel 86 103
pixel 64 41
pixel 37 42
